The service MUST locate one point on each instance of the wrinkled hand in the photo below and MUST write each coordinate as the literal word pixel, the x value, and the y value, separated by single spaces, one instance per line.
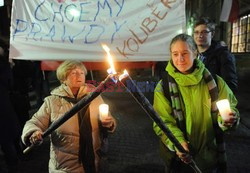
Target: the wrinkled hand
pixel 232 119
pixel 36 138
pixel 185 157
pixel 107 122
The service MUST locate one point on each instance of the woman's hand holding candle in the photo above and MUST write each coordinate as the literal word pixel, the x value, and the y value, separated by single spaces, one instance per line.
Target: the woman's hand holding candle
pixel 231 120
pixel 228 117
pixel 107 121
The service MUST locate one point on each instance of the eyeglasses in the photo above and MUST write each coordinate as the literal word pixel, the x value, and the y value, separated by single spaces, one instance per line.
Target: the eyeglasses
pixel 196 33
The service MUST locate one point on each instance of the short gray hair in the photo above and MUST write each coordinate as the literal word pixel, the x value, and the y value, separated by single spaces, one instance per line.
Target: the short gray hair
pixel 65 68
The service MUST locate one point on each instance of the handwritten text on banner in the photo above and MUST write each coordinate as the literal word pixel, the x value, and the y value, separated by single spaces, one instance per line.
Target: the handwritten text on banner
pixel 75 29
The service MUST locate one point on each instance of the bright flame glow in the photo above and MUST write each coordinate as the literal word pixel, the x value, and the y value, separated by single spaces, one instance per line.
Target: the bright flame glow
pixel 122 76
pixel 110 60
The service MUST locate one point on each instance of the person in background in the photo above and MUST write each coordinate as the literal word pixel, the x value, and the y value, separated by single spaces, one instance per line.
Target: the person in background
pixel 80 144
pixel 22 71
pixel 191 113
pixel 10 129
pixel 215 54
pixel 40 83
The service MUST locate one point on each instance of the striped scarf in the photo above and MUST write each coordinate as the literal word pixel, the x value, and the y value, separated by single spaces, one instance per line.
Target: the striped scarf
pixel 179 115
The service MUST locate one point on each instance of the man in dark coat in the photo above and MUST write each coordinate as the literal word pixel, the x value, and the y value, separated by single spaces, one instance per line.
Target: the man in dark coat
pixel 215 54
pixel 9 126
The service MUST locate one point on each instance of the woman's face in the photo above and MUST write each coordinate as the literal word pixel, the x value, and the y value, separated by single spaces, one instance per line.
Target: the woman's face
pixel 182 56
pixel 75 78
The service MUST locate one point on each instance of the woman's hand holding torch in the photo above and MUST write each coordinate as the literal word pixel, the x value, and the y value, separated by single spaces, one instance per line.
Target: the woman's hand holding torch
pixel 36 138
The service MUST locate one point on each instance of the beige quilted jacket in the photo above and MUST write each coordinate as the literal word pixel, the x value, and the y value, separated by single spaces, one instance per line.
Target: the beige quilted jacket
pixel 65 139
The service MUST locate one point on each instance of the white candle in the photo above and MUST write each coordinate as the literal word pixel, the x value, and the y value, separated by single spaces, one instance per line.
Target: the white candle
pixel 224 108
pixel 103 111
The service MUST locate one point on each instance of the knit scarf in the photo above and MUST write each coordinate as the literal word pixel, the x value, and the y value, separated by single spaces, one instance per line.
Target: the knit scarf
pixel 86 152
pixel 179 115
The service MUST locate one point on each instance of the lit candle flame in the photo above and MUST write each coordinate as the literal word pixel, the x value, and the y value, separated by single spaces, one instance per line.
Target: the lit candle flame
pixel 110 60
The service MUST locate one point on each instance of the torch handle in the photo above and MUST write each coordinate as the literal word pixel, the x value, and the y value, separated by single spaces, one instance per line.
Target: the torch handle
pixel 194 166
pixel 28 149
pixel 148 108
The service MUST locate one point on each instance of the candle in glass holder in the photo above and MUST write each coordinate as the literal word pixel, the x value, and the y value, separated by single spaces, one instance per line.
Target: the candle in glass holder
pixel 103 111
pixel 224 108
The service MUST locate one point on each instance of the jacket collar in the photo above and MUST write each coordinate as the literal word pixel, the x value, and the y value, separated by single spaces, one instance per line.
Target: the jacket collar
pixel 64 91
pixel 187 79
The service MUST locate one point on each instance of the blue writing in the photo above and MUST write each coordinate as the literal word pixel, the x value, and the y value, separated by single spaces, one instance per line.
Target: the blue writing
pixel 21 22
pixel 141 85
pixel 51 34
pixel 98 36
pixel 121 6
pixel 67 11
pixel 35 13
pixel 130 85
pixel 60 23
pixel 150 86
pixel 71 39
pixel 117 28
pixel 83 12
pixel 33 30
pixel 59 12
pixel 102 6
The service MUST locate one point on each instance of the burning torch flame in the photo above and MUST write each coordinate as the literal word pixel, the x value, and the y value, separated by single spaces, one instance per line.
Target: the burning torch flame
pixel 110 60
pixel 125 74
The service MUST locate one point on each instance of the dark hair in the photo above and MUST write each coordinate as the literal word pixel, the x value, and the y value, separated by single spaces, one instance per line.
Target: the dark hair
pixel 205 21
pixel 185 38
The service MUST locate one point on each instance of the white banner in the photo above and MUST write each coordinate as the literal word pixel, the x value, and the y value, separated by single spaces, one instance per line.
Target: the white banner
pixel 1 3
pixel 75 29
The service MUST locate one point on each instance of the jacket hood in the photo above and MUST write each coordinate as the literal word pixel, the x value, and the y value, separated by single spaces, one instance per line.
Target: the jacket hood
pixel 64 91
pixel 187 79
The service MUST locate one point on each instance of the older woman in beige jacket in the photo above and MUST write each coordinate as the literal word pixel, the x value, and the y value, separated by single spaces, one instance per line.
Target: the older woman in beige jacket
pixel 78 145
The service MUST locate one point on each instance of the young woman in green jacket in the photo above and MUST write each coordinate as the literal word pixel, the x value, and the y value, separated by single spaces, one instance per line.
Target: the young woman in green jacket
pixel 191 113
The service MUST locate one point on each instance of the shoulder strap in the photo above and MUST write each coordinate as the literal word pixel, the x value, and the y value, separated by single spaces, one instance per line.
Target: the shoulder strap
pixel 165 85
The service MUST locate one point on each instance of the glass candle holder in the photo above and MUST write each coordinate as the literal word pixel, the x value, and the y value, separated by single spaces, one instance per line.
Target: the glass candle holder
pixel 224 108
pixel 103 111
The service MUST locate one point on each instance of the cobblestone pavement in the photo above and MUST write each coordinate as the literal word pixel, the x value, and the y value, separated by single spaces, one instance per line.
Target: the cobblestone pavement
pixel 134 146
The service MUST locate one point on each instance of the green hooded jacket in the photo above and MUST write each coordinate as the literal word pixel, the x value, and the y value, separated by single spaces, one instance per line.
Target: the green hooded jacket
pixel 196 106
